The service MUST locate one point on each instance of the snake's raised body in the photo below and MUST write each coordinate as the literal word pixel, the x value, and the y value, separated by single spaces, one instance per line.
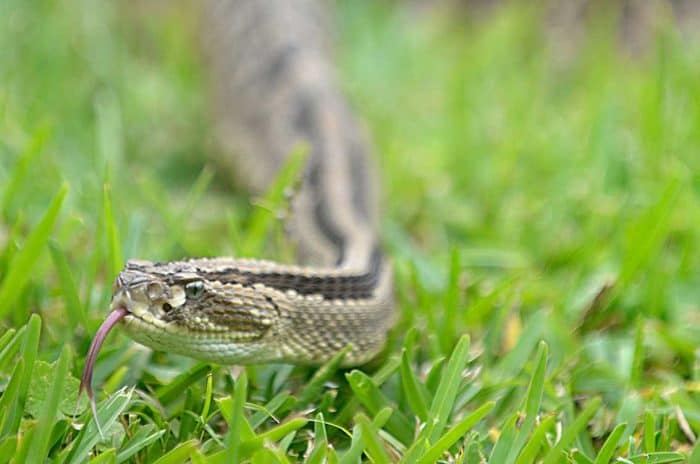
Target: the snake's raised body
pixel 274 88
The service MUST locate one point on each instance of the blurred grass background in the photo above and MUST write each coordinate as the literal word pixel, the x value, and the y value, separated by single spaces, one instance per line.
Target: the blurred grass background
pixel 537 185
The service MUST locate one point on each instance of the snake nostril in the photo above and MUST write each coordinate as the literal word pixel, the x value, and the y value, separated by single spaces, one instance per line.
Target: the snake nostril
pixel 167 307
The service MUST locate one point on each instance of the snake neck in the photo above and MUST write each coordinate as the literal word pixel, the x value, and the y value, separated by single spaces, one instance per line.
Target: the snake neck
pixel 274 88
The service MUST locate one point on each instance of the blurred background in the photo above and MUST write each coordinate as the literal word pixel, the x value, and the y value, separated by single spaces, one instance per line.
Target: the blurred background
pixel 539 166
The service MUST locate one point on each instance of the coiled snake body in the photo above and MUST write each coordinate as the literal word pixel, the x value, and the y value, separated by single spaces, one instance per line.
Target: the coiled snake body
pixel 273 87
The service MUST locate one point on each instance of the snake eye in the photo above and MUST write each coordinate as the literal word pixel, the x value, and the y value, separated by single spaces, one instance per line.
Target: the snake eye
pixel 194 290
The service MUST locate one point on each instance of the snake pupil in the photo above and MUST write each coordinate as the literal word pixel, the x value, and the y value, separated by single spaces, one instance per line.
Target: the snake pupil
pixel 167 307
pixel 194 289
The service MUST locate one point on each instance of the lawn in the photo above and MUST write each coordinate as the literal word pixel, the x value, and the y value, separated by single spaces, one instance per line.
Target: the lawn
pixel 541 206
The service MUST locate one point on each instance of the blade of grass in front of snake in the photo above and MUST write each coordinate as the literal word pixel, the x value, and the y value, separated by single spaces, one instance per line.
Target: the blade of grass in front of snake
pixel 86 380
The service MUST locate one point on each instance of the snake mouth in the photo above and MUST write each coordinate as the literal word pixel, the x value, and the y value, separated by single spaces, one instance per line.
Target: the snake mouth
pixel 124 310
pixel 86 380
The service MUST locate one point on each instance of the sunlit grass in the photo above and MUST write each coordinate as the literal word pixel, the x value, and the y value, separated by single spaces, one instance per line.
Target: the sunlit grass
pixel 541 210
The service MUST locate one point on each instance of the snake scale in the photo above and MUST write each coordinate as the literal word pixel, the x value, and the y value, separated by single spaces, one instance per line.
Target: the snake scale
pixel 273 87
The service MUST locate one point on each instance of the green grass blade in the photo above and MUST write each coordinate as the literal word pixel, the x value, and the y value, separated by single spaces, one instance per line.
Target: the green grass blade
pixel 372 443
pixel 374 400
pixel 199 187
pixel 353 454
pixel 267 456
pixel 114 252
pixel 188 418
pixel 432 379
pixel 411 388
pixel 277 433
pixel 8 448
pixel 9 397
pixel 320 428
pixel 516 358
pixel 332 456
pixel 24 445
pixel 108 412
pixel 281 401
pixel 19 173
pixel 504 446
pixel 75 310
pixel 106 457
pixel 382 417
pixel 207 398
pixel 29 350
pixel 320 451
pixel 661 457
pixel 536 387
pixel 441 407
pixel 580 458
pixel 284 442
pixel 572 431
pixel 533 400
pixel 237 421
pixel 250 446
pixel 454 434
pixel 419 447
pixel 649 233
pixel 629 412
pixel 378 378
pixel 141 439
pixel 108 127
pixel 637 367
pixel 115 379
pixel 22 266
pixel 608 449
pixel 179 454
pixel 226 409
pixel 452 292
pixel 49 412
pixel 6 338
pixel 321 376
pixel 262 217
pixel 694 457
pixel 8 352
pixel 177 387
pixel 534 444
pixel 649 433
pixel 177 223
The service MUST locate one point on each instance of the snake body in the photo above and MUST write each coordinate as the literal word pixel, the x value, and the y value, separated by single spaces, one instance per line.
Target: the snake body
pixel 273 88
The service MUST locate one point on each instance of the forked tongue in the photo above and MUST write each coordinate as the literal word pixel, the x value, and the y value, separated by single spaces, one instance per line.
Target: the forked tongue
pixel 86 381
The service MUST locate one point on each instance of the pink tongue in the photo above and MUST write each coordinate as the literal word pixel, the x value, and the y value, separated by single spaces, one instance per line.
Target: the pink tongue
pixel 86 381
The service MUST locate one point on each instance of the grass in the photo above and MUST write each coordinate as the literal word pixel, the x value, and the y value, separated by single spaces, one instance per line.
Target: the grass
pixel 541 208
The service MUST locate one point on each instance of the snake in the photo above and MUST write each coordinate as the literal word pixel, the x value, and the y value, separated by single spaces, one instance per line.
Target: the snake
pixel 273 86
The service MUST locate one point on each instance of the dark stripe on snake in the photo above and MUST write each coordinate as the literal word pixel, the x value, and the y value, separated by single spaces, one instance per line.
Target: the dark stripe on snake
pixel 357 286
pixel 306 122
pixel 359 175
